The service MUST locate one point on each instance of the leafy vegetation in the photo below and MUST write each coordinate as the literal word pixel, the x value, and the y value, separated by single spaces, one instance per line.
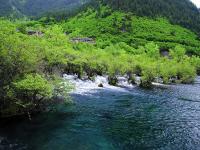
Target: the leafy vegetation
pixel 26 67
pixel 95 42
pixel 182 12
pixel 108 27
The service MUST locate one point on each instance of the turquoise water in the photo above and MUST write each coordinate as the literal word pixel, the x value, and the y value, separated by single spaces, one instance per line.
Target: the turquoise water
pixel 161 118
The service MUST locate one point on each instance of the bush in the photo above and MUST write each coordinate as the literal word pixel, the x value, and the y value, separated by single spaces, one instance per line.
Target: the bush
pixel 186 73
pixel 178 53
pixel 31 92
pixel 33 87
pixel 148 76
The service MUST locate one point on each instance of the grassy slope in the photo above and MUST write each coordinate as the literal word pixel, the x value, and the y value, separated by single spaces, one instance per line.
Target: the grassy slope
pixel 116 27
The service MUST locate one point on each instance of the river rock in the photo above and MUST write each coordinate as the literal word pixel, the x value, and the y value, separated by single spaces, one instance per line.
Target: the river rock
pixel 100 85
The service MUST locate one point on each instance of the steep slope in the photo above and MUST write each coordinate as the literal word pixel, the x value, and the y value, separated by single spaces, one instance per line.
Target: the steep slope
pixel 36 7
pixel 7 9
pixel 182 12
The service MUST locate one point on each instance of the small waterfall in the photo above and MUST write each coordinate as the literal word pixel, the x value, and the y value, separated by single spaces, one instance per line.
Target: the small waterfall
pixel 123 82
pixel 101 80
pixel 85 86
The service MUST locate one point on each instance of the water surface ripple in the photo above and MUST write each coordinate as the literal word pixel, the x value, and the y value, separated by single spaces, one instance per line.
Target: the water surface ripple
pixel 110 119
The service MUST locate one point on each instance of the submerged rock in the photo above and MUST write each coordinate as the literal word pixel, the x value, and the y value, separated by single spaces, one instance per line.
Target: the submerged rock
pixel 100 85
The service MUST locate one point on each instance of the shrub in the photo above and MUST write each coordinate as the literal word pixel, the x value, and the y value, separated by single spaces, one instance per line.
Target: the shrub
pixel 148 76
pixel 33 88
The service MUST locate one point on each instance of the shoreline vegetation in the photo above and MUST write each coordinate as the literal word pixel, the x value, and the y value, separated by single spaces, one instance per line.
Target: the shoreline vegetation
pixel 34 55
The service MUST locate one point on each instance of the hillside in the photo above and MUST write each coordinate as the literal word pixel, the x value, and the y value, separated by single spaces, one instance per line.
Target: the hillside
pixel 182 12
pixel 111 27
pixel 32 8
pixel 7 9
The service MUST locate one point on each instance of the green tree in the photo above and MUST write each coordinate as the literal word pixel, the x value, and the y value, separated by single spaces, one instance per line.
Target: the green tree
pixel 178 53
pixel 152 50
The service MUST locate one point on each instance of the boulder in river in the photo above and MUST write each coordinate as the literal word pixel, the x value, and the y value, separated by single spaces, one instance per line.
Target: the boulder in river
pixel 100 85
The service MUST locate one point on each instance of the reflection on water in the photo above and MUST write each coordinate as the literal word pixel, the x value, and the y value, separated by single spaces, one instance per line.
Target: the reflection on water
pixel 114 119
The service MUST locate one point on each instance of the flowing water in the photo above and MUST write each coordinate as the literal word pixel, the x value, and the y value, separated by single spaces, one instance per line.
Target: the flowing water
pixel 113 118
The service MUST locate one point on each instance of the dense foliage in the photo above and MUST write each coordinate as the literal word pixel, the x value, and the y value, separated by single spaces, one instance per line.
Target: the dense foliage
pixel 95 42
pixel 107 27
pixel 27 79
pixel 182 12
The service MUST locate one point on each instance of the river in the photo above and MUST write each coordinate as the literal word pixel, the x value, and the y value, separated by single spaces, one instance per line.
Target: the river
pixel 113 118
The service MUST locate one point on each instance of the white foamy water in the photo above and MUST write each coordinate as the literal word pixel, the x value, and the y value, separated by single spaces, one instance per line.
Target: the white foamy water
pixel 123 82
pixel 88 86
pixel 197 81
